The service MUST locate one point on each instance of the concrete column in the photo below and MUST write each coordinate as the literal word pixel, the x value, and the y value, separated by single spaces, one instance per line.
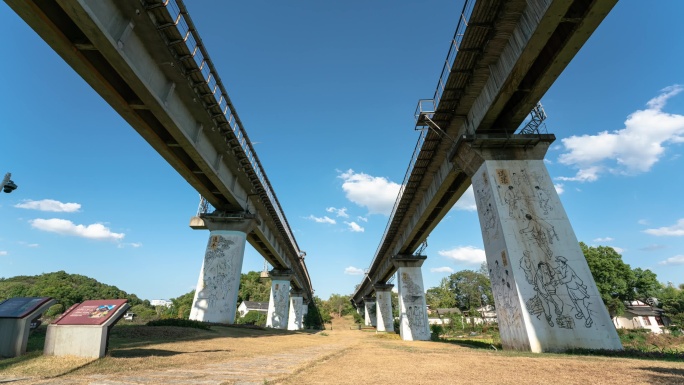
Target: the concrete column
pixel 546 298
pixel 219 279
pixel 413 319
pixel 383 296
pixel 296 314
pixel 370 311
pixel 278 303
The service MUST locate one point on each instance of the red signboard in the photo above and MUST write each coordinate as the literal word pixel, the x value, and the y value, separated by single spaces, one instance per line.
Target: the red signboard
pixel 20 307
pixel 93 312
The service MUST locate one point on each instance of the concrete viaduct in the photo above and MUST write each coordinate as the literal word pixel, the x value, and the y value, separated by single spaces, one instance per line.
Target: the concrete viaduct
pixel 504 56
pixel 146 59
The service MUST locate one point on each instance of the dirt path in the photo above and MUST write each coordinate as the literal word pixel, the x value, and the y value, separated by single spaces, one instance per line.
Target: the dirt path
pixel 345 356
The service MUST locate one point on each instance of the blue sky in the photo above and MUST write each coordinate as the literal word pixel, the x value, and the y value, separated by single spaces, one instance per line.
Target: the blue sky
pixel 326 91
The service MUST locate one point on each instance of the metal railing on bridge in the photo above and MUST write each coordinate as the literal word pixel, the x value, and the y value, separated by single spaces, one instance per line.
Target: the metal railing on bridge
pixel 228 117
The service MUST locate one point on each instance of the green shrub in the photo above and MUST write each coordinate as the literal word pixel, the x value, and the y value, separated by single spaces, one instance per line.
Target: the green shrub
pixel 252 318
pixel 186 323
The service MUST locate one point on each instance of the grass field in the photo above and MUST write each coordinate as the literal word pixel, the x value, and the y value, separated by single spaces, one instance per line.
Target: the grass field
pixel 344 355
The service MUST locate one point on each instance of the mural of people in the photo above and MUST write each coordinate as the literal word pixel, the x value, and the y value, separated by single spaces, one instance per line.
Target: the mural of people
pixel 541 233
pixel 511 198
pixel 544 284
pixel 543 199
pixel 577 290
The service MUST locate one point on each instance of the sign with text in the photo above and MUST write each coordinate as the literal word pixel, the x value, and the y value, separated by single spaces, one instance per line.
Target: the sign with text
pixel 93 312
pixel 21 307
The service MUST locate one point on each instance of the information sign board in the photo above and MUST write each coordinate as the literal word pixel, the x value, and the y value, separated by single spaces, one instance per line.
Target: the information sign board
pixel 21 307
pixel 92 312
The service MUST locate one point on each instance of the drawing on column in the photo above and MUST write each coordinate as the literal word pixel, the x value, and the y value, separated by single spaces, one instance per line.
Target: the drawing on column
pixel 218 272
pixel 489 221
pixel 543 198
pixel 577 290
pixel 279 303
pixel 540 233
pixel 413 302
pixel 511 198
pixel 504 295
pixel 297 311
pixel 526 265
pixel 545 285
pixel 385 313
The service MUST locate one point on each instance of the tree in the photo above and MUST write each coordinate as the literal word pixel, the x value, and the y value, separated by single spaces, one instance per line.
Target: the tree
pixel 254 288
pixel 339 304
pixel 471 289
pixel 441 296
pixel 613 277
pixel 671 299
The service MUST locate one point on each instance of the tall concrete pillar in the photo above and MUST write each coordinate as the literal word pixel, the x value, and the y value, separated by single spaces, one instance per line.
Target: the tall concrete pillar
pixel 219 279
pixel 296 313
pixel 279 301
pixel 383 296
pixel 413 319
pixel 546 298
pixel 370 311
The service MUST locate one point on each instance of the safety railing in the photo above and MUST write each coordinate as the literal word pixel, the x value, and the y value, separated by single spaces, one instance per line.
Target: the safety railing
pixel 427 107
pixel 201 58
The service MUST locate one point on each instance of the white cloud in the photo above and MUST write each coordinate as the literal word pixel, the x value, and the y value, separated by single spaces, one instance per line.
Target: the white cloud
pixel 445 269
pixel 653 247
pixel 339 212
pixel 559 188
pixel 676 260
pixel 28 244
pixel 377 194
pixel 676 230
pixel 49 205
pixel 618 250
pixel 351 270
pixel 62 226
pixel 325 219
pixel 362 219
pixel 134 245
pixel 3 252
pixel 631 150
pixel 354 227
pixel 643 222
pixel 467 201
pixel 606 239
pixel 467 254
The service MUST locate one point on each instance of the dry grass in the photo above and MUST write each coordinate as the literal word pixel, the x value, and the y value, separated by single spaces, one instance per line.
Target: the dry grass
pixel 228 355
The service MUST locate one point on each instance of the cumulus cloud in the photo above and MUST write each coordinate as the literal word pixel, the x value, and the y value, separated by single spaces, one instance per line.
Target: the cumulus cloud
pixel 49 205
pixel 630 150
pixel 676 230
pixel 354 227
pixel 559 188
pixel 467 201
pixel 618 250
pixel 606 239
pixel 676 260
pixel 325 219
pixel 3 252
pixel 339 212
pixel 134 245
pixel 95 231
pixel 465 254
pixel 351 270
pixel 362 219
pixel 377 194
pixel 445 269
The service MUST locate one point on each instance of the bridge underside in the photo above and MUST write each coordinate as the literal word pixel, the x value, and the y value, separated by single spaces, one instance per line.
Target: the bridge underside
pixel 134 54
pixel 511 53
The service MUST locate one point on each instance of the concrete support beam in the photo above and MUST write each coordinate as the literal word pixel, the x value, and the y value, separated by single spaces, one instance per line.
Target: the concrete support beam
pixel 383 295
pixel 546 298
pixel 219 280
pixel 370 311
pixel 278 303
pixel 413 319
pixel 296 314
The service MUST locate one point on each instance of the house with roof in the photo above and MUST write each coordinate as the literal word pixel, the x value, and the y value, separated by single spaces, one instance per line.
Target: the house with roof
pixel 247 306
pixel 641 315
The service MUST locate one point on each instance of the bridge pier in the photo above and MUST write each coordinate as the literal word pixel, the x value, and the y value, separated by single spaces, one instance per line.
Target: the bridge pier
pixel 279 300
pixel 370 311
pixel 296 311
pixel 383 296
pixel 413 319
pixel 219 279
pixel 546 298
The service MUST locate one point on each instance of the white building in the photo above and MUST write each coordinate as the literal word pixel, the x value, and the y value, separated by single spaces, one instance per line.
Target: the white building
pixel 640 315
pixel 161 302
pixel 247 306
